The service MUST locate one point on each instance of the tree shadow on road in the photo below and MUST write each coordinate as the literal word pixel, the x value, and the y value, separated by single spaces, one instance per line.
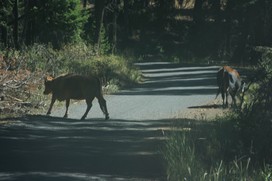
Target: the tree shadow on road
pixel 212 106
pixel 175 79
pixel 118 148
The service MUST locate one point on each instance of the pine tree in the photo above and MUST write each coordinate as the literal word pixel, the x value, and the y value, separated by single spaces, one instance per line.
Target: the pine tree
pixel 59 22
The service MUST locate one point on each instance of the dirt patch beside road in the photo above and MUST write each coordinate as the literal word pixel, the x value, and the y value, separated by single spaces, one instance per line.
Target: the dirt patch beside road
pixel 206 112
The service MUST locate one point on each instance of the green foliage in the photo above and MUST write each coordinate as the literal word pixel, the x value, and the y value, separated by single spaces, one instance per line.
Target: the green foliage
pixel 60 21
pixel 213 152
pixel 235 147
pixel 149 29
pixel 104 43
pixel 81 59
pixel 179 154
pixel 254 120
pixel 5 12
pixel 111 69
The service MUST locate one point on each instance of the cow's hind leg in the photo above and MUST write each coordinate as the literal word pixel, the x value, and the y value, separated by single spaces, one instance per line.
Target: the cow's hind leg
pixel 223 97
pixel 233 98
pixel 103 106
pixel 89 106
pixel 227 97
pixel 67 106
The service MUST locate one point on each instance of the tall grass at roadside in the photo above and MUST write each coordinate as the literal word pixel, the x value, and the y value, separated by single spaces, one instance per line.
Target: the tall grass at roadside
pixel 214 151
pixel 181 159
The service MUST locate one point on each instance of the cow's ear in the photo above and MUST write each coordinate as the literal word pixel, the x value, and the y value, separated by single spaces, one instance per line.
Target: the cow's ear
pixel 48 78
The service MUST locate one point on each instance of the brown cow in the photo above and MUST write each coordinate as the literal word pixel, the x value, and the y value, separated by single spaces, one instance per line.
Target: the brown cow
pixel 78 87
pixel 229 82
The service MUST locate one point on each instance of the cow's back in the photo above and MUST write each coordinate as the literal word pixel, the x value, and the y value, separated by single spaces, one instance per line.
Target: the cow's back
pixel 76 87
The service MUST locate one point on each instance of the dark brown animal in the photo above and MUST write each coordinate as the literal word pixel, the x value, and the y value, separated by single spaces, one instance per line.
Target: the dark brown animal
pixel 78 87
pixel 229 82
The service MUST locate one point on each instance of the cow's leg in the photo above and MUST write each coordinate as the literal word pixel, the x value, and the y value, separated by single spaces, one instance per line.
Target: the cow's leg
pixel 233 98
pixel 103 106
pixel 67 106
pixel 227 96
pixel 223 97
pixel 89 106
pixel 51 105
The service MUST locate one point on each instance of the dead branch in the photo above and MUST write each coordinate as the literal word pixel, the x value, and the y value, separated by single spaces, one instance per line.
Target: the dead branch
pixel 14 98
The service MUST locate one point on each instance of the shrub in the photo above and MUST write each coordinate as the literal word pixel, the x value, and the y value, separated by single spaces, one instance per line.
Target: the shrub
pixel 25 70
pixel 81 59
pixel 254 121
pixel 211 151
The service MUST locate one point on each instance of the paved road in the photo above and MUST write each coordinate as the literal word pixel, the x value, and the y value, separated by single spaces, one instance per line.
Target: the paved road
pixel 168 89
pixel 126 147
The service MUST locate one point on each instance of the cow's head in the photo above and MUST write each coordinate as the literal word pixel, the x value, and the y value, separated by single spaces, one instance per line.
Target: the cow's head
pixel 48 85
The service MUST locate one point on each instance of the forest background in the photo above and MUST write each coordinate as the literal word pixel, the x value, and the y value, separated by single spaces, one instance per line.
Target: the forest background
pixel 179 29
pixel 105 37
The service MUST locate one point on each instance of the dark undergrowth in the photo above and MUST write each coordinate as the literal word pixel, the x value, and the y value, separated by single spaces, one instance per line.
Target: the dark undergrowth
pixel 237 146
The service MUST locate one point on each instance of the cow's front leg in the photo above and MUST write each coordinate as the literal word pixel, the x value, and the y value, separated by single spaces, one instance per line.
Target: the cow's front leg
pixel 227 97
pixel 67 106
pixel 51 105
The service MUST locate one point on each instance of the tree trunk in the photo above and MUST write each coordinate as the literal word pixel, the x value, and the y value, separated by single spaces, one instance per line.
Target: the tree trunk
pixel 114 32
pixel 99 16
pixel 4 34
pixel 84 3
pixel 3 26
pixel 99 32
pixel 198 14
pixel 228 28
pixel 15 25
pixel 126 18
pixel 29 25
pixel 216 9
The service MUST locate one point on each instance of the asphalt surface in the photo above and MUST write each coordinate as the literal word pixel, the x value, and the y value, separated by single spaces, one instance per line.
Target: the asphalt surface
pixel 126 147
pixel 167 90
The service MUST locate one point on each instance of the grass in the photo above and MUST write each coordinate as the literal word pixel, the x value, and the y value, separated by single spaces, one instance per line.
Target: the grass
pixel 216 151
pixel 237 146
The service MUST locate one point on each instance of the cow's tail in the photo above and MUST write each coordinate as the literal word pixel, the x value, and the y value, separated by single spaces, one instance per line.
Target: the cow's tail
pixel 220 76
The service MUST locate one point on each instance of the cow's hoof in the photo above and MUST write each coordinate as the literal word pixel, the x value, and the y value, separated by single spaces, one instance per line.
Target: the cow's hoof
pixel 107 117
pixel 225 106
